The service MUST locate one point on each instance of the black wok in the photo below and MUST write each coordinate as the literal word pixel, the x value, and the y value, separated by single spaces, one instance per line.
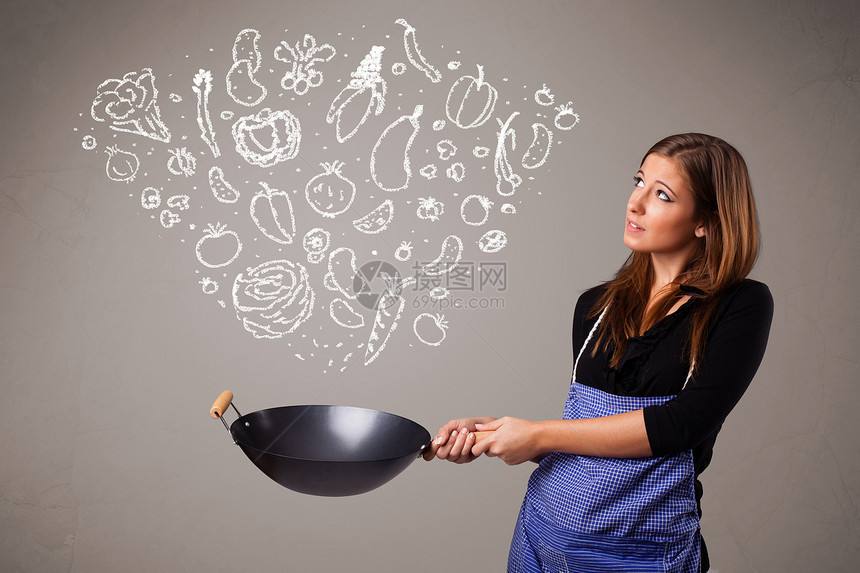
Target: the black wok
pixel 326 450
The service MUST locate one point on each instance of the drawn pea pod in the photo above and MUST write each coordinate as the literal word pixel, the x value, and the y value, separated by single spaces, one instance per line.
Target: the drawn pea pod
pixel 272 212
pixel 538 151
pixel 396 141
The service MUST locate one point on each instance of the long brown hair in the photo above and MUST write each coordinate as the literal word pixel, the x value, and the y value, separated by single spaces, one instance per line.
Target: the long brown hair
pixel 717 176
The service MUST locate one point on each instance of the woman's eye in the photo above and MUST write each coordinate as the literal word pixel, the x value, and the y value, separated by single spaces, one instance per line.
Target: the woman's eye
pixel 664 196
pixel 638 181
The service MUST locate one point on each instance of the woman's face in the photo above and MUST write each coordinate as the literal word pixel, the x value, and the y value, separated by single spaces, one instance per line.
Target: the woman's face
pixel 660 213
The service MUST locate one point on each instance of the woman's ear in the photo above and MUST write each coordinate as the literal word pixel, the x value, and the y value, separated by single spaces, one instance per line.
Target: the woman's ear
pixel 701 230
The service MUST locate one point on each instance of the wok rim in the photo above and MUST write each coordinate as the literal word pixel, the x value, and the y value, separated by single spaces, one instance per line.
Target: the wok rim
pixel 325 461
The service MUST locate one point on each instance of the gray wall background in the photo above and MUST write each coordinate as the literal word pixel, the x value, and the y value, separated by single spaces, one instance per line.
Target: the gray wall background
pixel 111 355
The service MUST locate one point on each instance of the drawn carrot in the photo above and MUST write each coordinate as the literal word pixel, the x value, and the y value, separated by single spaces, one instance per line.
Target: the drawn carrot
pixel 387 316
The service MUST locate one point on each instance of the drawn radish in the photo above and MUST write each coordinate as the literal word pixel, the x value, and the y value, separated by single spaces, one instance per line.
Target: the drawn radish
pixel 404 251
pixel 396 141
pixel 433 326
pixel 501 166
pixel 218 247
pixel 330 193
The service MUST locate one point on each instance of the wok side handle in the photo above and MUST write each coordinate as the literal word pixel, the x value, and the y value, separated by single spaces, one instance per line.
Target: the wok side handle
pixel 427 455
pixel 221 404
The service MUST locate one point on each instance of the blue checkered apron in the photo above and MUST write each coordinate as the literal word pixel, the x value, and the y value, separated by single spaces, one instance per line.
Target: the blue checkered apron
pixel 589 514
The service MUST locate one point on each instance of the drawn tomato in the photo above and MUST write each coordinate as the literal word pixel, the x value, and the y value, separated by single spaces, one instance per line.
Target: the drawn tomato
pixel 218 247
pixel 430 329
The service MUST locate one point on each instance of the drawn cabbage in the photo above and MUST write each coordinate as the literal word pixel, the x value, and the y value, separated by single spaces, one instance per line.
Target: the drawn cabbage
pixel 273 299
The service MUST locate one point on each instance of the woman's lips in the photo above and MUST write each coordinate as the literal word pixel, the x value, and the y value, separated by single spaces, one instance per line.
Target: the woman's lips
pixel 633 227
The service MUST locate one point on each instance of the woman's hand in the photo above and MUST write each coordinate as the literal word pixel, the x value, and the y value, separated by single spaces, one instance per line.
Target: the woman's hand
pixel 455 439
pixel 513 440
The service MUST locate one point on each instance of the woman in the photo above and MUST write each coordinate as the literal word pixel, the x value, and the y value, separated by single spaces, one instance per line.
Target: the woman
pixel 663 352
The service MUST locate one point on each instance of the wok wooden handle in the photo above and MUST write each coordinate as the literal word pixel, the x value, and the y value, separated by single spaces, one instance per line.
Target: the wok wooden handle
pixel 221 404
pixel 428 454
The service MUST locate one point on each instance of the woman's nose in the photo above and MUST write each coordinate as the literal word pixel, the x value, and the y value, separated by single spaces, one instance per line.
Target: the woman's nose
pixel 634 204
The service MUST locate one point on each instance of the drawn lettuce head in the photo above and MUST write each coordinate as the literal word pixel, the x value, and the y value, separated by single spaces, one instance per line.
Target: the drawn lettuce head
pixel 273 299
pixel 130 105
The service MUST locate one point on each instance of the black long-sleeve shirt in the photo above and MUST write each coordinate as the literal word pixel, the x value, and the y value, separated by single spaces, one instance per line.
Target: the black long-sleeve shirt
pixel 653 365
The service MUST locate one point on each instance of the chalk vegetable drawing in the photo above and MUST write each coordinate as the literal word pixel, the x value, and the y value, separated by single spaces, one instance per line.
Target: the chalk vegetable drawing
pixel 330 193
pixel 273 299
pixel 365 91
pixel 316 243
pixel 538 151
pixel 484 204
pixel 430 209
pixel 218 247
pixel 493 241
pixel 303 59
pixel 343 273
pixel 446 149
pixel 413 53
pixel 272 212
pixel 377 220
pixel 456 171
pixel 202 88
pixel 396 141
pixel 544 96
pixel 344 315
pixel 179 202
pixel 130 105
pixel 386 319
pixel 220 187
pixel 449 256
pixel 467 94
pixel 404 251
pixel 242 85
pixel 433 326
pixel 506 180
pixel 208 286
pixel 121 165
pixel 268 137
pixel 566 119
pixel 181 162
pixel 150 198
pixel 168 218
